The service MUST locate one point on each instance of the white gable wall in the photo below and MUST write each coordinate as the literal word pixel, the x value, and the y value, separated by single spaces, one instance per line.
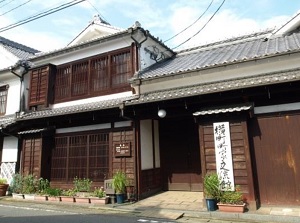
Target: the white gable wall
pixel 154 47
pixel 79 54
pixel 7 59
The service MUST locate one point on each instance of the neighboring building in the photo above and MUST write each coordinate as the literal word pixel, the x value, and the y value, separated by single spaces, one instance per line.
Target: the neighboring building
pixel 252 84
pixel 10 53
pixel 75 122
pixel 84 118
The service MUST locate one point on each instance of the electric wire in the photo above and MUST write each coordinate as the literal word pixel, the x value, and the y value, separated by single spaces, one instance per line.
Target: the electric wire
pixel 2 1
pixel 6 3
pixel 192 23
pixel 15 8
pixel 202 26
pixel 97 11
pixel 40 15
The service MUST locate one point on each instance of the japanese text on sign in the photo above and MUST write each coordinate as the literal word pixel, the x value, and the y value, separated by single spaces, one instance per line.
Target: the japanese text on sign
pixel 122 149
pixel 223 155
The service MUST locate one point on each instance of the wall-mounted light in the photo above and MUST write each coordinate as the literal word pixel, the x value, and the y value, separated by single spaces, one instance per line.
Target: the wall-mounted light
pixel 161 113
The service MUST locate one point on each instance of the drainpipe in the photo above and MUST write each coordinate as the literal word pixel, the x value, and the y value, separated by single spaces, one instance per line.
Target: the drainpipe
pixel 20 69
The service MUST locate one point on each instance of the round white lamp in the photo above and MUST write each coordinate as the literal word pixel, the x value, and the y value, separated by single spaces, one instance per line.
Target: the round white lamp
pixel 162 113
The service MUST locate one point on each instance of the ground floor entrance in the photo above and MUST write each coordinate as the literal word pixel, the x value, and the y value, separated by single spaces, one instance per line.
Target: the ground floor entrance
pixel 276 144
pixel 180 155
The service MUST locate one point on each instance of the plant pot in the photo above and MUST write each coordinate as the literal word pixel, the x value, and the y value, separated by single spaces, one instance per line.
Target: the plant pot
pixel 120 198
pixel 96 200
pixel 51 198
pixel 211 204
pixel 40 198
pixel 29 196
pixel 67 199
pixel 82 200
pixel 17 196
pixel 232 207
pixel 3 189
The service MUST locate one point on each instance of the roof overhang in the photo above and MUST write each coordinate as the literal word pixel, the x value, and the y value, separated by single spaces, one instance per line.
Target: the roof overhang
pixel 224 109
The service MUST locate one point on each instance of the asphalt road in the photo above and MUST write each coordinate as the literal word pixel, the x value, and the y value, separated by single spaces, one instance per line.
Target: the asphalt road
pixel 23 214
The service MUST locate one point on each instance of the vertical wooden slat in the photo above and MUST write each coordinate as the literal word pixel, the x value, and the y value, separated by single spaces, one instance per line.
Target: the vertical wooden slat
pixel 39 82
pixel 31 160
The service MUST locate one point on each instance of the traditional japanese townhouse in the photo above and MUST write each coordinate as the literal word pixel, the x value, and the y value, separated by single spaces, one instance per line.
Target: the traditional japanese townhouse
pixel 75 123
pixel 84 118
pixel 231 106
pixel 10 53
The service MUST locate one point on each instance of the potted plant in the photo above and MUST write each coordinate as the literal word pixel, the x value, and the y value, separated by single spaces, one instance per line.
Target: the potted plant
pixel 99 196
pixel 3 186
pixel 119 184
pixel 232 201
pixel 30 186
pixel 211 190
pixel 53 194
pixel 16 186
pixel 43 186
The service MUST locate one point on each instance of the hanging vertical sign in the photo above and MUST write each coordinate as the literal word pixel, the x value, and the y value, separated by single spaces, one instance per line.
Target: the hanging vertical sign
pixel 223 155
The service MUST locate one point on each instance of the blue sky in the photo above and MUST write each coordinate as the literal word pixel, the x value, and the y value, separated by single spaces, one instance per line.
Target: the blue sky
pixel 163 18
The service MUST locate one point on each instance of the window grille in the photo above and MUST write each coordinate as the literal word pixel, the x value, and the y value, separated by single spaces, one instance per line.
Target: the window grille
pixel 3 99
pixel 83 156
pixel 94 76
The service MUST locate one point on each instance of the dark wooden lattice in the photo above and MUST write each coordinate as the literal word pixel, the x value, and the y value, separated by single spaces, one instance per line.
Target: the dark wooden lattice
pixel 83 156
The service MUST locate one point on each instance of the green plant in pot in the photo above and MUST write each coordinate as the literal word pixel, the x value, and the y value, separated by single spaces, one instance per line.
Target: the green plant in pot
pixel 232 200
pixel 119 184
pixel 211 190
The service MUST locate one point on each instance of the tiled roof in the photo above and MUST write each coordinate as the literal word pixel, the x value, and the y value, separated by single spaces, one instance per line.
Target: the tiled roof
pixel 100 105
pixel 19 50
pixel 213 87
pixel 224 109
pixel 6 120
pixel 32 131
pixel 223 53
pixel 95 41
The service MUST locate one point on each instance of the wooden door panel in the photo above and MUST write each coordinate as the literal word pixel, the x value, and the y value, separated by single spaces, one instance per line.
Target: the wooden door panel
pixel 276 147
pixel 180 155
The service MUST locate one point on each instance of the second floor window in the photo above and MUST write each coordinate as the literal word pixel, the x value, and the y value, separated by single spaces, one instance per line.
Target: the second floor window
pixel 101 75
pixel 3 99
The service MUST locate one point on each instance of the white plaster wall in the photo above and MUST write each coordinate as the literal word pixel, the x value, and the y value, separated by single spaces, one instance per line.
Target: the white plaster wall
pixel 10 149
pixel 7 59
pixel 146 61
pixel 84 53
pixel 94 99
pixel 241 70
pixel 13 97
pixel 146 144
pixel 84 128
pixel 156 144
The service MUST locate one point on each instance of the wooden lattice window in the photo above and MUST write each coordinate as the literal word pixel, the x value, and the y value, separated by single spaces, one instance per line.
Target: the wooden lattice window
pixel 120 68
pixel 83 156
pixel 95 76
pixel 99 79
pixel 3 99
pixel 31 156
pixel 79 80
pixel 63 82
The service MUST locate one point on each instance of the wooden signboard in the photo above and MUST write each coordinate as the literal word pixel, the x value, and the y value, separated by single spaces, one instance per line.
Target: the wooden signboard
pixel 122 149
